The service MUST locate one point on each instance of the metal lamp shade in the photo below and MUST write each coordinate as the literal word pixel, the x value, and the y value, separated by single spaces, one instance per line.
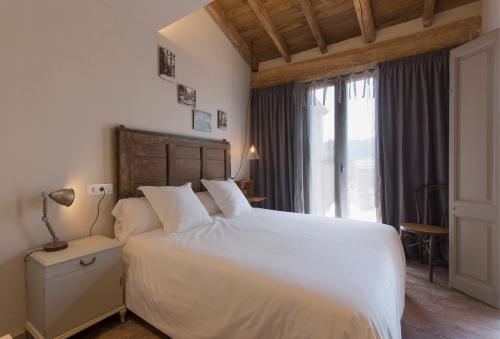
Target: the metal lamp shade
pixel 63 197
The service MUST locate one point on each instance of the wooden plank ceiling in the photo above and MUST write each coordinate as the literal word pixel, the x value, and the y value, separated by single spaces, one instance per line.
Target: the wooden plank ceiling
pixel 281 28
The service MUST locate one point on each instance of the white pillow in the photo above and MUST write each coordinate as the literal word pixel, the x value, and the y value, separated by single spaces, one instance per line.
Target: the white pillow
pixel 134 216
pixel 228 197
pixel 208 202
pixel 177 207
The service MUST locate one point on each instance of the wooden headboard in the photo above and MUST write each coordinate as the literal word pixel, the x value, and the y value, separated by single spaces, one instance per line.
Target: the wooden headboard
pixel 161 159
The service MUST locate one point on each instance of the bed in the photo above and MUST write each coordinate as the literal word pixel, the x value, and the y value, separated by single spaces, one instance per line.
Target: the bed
pixel 265 275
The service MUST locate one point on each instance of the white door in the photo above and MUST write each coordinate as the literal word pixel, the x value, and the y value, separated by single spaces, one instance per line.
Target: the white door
pixel 474 168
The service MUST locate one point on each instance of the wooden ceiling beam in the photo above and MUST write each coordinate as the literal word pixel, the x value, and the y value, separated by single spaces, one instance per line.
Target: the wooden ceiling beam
pixel 428 12
pixel 272 31
pixel 312 21
pixel 227 27
pixel 365 19
pixel 452 34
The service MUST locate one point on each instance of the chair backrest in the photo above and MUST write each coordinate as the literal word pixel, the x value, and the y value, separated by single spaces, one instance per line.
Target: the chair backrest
pixel 429 199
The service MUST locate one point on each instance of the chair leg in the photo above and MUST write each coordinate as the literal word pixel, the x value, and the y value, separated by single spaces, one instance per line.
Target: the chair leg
pixel 402 237
pixel 421 248
pixel 431 257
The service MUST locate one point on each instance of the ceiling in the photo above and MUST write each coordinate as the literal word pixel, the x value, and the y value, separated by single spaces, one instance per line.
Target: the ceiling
pixel 336 20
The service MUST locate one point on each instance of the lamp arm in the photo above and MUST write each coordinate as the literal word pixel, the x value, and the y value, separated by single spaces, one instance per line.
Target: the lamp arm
pixel 45 218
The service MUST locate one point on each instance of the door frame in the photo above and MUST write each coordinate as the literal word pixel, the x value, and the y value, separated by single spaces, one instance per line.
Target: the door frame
pixel 487 211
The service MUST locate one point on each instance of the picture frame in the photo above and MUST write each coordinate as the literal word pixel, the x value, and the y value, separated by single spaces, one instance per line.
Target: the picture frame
pixel 166 64
pixel 186 95
pixel 221 120
pixel 202 121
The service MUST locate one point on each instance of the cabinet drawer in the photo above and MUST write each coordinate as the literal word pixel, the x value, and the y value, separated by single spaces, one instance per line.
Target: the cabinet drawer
pixel 71 266
pixel 87 291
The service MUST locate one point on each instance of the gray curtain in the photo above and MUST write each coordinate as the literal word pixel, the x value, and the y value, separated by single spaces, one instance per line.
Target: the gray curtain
pixel 412 131
pixel 280 131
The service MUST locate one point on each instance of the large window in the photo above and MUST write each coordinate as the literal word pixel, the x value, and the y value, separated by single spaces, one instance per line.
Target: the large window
pixel 322 193
pixel 343 150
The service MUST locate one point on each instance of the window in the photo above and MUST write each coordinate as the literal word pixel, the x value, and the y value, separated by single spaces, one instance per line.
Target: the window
pixel 343 150
pixel 322 194
pixel 360 151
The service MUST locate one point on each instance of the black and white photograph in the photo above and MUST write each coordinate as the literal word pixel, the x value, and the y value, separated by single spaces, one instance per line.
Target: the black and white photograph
pixel 202 121
pixel 186 95
pixel 221 120
pixel 166 64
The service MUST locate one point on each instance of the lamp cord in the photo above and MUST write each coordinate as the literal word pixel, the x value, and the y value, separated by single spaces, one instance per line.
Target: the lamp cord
pixel 247 113
pixel 31 252
pixel 98 211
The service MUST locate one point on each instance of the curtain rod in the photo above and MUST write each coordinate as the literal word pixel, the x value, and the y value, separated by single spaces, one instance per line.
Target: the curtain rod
pixel 370 70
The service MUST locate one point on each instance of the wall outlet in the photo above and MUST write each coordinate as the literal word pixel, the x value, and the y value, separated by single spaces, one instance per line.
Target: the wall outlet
pixel 94 189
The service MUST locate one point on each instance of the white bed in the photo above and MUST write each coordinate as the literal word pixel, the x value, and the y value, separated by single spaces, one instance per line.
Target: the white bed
pixel 269 275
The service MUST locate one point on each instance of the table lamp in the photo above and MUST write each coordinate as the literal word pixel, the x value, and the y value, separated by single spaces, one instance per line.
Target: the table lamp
pixel 63 197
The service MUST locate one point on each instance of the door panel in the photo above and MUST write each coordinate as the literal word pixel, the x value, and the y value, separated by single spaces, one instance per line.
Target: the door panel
pixel 474 154
pixel 473 262
pixel 474 123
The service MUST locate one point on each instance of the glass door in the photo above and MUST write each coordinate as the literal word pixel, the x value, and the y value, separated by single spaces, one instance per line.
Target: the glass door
pixel 359 170
pixel 322 193
pixel 343 176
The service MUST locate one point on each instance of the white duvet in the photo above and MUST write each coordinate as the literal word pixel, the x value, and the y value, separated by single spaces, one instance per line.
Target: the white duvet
pixel 269 275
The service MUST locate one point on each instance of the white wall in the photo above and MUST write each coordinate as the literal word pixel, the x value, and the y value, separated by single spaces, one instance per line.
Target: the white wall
pixel 70 71
pixel 491 15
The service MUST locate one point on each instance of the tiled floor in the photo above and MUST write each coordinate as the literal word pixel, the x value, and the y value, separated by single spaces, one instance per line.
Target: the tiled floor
pixel 435 311
pixel 432 311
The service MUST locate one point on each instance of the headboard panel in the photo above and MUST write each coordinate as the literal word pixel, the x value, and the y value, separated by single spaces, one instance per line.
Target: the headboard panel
pixel 160 159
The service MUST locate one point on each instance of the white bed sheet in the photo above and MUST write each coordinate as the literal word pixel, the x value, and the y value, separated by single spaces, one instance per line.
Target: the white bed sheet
pixel 269 275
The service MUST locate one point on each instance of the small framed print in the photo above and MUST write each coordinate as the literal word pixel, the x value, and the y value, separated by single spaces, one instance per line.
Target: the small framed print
pixel 221 120
pixel 202 121
pixel 166 64
pixel 186 95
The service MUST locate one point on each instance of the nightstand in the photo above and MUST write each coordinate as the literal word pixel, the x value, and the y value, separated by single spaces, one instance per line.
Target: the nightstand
pixel 254 200
pixel 72 289
pixel 247 186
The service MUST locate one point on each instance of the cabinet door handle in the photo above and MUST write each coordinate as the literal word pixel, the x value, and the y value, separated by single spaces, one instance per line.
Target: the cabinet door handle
pixel 83 263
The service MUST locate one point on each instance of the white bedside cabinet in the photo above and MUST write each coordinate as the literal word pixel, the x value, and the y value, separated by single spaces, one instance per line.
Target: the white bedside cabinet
pixel 75 288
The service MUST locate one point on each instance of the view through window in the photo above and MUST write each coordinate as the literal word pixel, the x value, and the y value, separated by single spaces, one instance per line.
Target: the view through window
pixel 322 193
pixel 360 151
pixel 343 177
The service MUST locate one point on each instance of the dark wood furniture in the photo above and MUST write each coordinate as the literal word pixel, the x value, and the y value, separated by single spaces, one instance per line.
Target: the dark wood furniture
pixel 428 235
pixel 423 231
pixel 247 186
pixel 254 200
pixel 160 159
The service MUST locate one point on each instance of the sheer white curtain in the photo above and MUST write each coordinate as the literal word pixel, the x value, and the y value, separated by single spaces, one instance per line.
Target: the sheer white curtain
pixel 343 176
pixel 322 140
pixel 359 157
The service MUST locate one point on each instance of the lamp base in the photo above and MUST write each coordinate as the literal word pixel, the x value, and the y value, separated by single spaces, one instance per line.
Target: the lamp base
pixel 55 246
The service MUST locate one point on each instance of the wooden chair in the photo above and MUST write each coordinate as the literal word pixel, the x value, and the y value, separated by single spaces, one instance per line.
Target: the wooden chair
pixel 428 235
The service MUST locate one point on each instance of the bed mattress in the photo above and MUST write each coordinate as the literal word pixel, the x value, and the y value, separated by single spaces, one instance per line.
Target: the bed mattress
pixel 269 275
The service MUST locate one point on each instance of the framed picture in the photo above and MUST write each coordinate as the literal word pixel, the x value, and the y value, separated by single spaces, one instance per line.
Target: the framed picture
pixel 222 120
pixel 166 64
pixel 186 95
pixel 202 121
